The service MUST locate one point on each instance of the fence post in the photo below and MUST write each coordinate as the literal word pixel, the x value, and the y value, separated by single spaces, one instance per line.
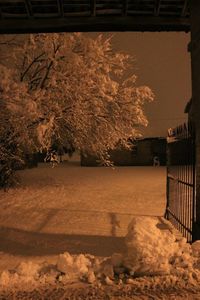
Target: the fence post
pixel 167 183
pixel 195 63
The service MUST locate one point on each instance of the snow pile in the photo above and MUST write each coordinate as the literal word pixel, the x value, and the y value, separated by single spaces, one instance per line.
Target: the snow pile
pixel 74 267
pixel 196 255
pixel 196 249
pixel 26 272
pixel 7 278
pixel 151 251
pixel 87 268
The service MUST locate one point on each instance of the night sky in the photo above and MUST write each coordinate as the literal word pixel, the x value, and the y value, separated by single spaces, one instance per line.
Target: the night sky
pixel 162 63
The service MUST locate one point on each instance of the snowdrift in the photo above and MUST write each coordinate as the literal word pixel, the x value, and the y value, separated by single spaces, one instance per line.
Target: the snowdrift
pixel 150 251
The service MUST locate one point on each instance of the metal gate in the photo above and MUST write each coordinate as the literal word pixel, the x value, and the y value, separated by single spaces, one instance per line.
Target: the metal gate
pixel 180 210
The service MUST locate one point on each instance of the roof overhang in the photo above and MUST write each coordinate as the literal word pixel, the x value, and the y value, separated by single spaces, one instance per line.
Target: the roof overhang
pixel 25 16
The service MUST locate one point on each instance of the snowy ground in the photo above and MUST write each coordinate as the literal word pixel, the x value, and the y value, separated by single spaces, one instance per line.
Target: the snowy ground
pixel 87 210
pixel 78 209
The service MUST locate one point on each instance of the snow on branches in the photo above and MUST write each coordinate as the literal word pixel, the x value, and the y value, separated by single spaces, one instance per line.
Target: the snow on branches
pixel 72 89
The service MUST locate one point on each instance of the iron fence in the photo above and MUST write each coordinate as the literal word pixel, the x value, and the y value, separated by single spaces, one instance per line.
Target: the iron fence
pixel 180 210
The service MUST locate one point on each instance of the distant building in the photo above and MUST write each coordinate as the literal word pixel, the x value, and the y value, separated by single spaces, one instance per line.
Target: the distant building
pixel 142 154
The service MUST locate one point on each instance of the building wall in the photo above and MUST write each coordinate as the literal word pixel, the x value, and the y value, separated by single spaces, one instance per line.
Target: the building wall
pixel 141 155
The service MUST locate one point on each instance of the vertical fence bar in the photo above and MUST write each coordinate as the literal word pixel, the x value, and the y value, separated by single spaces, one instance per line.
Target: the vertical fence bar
pixel 194 179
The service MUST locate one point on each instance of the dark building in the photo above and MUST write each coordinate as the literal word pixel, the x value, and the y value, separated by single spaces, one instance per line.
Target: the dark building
pixel 142 154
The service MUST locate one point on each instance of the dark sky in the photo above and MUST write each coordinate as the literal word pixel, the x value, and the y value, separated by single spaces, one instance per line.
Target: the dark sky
pixel 162 63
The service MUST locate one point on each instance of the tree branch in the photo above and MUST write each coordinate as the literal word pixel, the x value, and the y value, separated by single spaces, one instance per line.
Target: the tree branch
pixel 30 65
pixel 46 75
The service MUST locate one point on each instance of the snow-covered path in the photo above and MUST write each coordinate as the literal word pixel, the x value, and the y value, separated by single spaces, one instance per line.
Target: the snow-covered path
pixel 77 209
pixel 86 210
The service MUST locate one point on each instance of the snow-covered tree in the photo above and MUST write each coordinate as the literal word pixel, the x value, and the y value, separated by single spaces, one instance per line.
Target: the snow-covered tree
pixel 17 114
pixel 71 89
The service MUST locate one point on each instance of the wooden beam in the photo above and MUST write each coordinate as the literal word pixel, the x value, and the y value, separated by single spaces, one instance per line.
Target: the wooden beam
pixel 92 24
pixel 60 8
pixel 185 8
pixel 125 7
pixel 10 1
pixel 93 7
pixel 157 8
pixel 28 8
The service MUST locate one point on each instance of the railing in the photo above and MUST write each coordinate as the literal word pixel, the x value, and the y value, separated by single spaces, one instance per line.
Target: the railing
pixel 181 206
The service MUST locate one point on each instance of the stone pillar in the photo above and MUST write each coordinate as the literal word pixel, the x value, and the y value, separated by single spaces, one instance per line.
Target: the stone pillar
pixel 195 63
